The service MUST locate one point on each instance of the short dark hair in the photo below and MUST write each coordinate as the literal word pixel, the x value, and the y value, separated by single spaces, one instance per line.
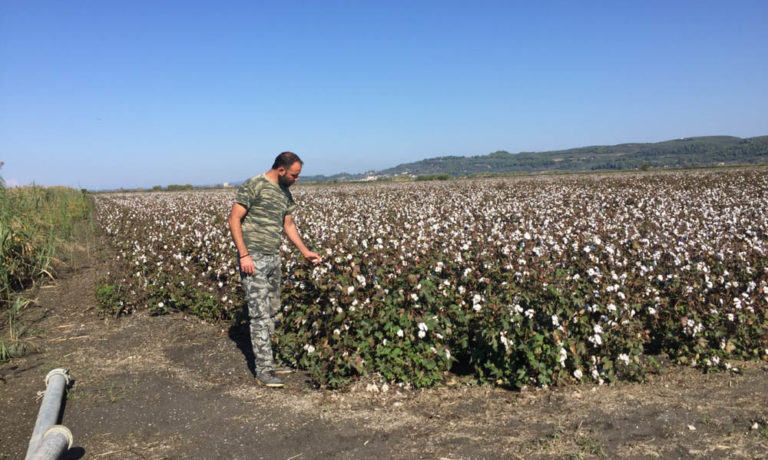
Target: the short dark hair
pixel 285 160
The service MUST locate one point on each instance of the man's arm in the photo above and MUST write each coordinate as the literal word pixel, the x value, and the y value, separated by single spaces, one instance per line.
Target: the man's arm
pixel 289 226
pixel 236 227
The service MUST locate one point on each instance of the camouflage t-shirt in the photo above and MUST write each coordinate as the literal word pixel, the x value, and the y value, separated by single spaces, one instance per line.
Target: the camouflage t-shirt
pixel 267 204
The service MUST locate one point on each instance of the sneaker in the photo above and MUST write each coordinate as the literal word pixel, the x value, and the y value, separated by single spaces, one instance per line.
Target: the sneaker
pixel 284 370
pixel 269 379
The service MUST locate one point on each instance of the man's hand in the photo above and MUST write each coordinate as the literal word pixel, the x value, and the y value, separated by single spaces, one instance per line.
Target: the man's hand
pixel 247 266
pixel 313 257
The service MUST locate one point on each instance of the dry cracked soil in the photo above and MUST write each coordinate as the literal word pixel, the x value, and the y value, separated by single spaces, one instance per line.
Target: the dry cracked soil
pixel 177 387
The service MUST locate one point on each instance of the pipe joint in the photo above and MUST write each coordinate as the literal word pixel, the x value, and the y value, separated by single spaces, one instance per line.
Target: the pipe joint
pixel 60 371
pixel 60 429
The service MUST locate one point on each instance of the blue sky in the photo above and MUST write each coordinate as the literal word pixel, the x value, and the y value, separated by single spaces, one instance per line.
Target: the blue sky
pixel 102 94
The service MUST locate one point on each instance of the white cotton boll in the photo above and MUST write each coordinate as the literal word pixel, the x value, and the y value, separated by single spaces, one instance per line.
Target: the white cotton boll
pixel 505 341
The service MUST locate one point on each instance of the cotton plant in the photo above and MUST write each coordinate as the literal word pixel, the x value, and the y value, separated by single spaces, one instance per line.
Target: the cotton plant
pixel 529 281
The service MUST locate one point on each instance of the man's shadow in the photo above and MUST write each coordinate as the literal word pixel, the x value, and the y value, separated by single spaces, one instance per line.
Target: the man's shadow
pixel 240 333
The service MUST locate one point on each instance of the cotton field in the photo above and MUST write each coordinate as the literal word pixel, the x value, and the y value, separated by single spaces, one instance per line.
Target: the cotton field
pixel 526 280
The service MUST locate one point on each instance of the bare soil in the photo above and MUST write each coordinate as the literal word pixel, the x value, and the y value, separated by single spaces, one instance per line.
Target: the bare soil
pixel 177 387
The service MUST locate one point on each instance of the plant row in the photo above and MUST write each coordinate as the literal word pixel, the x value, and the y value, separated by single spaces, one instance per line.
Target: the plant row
pixel 520 281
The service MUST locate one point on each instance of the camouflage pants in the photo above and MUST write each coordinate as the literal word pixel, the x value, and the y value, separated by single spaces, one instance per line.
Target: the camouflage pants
pixel 262 292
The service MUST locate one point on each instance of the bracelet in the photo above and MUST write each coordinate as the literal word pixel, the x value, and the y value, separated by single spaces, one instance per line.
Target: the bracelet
pixel 241 257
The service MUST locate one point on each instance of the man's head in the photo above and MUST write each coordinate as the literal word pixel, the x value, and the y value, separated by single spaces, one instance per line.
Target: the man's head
pixel 288 167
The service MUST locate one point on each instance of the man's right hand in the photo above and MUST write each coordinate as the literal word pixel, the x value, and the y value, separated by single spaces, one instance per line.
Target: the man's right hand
pixel 247 266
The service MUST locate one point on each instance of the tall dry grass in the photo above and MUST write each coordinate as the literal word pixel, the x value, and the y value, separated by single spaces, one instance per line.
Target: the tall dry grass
pixel 34 224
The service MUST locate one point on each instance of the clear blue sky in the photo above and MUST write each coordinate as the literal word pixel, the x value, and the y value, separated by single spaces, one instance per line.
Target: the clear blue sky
pixel 104 94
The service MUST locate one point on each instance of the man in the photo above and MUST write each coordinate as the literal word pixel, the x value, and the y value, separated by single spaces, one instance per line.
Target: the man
pixel 263 206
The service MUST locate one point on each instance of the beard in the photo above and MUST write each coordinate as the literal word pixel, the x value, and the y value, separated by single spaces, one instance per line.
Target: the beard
pixel 284 181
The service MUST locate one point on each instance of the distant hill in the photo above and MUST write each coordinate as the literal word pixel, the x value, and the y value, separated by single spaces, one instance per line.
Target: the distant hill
pixel 688 152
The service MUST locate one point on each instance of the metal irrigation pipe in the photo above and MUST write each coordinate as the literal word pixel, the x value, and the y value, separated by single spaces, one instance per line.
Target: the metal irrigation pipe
pixel 56 440
pixel 49 440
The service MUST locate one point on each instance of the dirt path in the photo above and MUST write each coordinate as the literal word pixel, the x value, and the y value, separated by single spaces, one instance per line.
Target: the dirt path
pixel 176 387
